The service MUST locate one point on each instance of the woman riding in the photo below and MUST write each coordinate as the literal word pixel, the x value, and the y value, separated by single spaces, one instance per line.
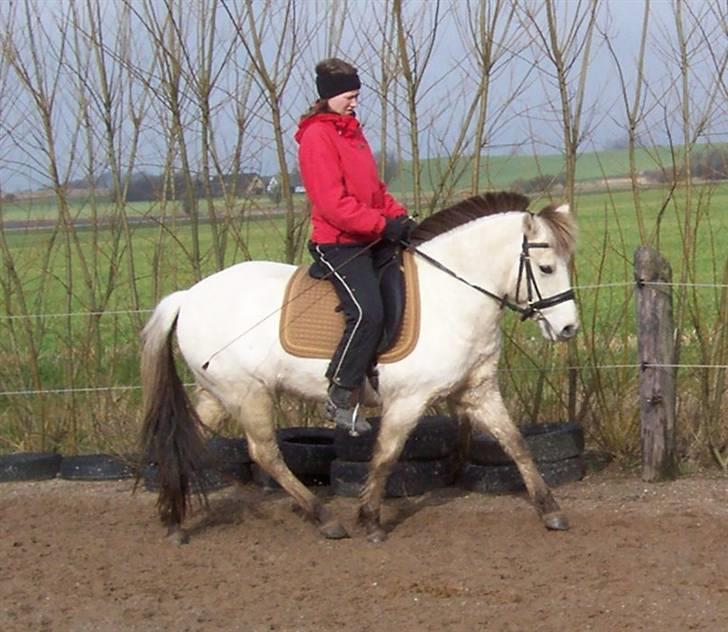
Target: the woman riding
pixel 357 227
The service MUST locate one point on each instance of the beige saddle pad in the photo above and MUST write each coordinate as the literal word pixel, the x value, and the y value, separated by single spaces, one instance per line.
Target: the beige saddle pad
pixel 311 327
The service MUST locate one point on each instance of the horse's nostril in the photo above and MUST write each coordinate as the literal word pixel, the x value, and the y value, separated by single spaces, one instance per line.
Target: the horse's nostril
pixel 569 331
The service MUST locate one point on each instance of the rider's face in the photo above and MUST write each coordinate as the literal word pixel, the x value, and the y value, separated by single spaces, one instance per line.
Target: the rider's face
pixel 344 103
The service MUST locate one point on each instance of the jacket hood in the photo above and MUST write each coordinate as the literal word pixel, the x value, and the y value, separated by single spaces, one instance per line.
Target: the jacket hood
pixel 347 125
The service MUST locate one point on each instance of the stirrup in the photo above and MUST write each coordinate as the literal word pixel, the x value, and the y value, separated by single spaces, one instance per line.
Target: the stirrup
pixel 347 418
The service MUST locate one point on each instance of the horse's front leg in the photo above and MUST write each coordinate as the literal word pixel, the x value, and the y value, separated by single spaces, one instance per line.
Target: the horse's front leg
pixel 393 432
pixel 255 414
pixel 484 407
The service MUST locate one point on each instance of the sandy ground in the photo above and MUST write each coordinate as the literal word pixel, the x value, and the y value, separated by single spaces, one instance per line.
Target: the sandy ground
pixel 91 556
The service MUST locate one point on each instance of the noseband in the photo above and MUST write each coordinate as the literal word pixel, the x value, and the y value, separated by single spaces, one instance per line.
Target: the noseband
pixel 525 269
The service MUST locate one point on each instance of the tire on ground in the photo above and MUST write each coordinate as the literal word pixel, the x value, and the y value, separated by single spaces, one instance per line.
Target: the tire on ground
pixel 308 453
pixel 408 478
pixel 29 466
pixel 547 442
pixel 493 479
pixel 229 449
pixel 228 463
pixel 96 467
pixel 434 437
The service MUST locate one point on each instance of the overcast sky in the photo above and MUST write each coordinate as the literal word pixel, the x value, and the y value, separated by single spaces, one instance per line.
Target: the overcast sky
pixel 444 92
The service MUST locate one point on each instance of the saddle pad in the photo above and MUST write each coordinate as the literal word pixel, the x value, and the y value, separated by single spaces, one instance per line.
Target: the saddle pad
pixel 311 327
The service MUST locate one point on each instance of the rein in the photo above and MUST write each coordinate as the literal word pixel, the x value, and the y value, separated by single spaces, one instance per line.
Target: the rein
pixel 533 307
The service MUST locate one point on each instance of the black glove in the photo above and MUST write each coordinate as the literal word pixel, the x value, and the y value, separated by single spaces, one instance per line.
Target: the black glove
pixel 398 228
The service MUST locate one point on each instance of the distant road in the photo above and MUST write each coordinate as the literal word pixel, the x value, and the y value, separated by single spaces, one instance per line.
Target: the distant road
pixel 84 222
pixel 45 224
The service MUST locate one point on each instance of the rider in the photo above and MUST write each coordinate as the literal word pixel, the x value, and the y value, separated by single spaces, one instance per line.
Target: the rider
pixel 356 228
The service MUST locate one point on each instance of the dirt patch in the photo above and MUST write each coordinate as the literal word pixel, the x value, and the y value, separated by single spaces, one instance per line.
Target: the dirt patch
pixel 90 556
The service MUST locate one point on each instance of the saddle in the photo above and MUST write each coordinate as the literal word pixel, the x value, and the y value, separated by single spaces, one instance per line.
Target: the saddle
pixel 312 322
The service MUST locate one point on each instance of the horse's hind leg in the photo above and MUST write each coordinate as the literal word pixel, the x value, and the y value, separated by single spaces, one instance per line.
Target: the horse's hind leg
pixel 209 409
pixel 390 441
pixel 256 416
pixel 485 409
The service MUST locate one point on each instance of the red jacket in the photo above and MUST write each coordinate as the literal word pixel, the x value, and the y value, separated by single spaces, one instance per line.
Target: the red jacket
pixel 349 203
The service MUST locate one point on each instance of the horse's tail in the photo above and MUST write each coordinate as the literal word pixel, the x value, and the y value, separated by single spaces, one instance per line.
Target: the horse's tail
pixel 171 434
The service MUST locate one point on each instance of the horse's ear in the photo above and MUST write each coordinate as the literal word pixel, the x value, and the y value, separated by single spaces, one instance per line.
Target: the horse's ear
pixel 564 208
pixel 529 226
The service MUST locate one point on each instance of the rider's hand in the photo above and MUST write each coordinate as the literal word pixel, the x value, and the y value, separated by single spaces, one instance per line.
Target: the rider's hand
pixel 398 228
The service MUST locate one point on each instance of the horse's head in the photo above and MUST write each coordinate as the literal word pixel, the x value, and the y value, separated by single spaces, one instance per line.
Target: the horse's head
pixel 540 282
pixel 543 287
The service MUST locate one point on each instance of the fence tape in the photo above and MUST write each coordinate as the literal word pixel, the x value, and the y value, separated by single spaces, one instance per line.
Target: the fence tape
pixel 678 284
pixel 646 365
pixel 84 389
pixel 74 314
pixel 118 312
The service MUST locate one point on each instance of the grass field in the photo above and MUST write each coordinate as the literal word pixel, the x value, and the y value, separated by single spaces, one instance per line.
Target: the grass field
pixel 78 351
pixel 501 171
pixel 84 208
pixel 608 237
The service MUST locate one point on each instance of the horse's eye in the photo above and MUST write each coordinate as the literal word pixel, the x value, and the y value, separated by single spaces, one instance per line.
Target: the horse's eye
pixel 546 269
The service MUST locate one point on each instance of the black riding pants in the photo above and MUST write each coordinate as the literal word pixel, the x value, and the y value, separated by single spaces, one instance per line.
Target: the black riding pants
pixel 354 270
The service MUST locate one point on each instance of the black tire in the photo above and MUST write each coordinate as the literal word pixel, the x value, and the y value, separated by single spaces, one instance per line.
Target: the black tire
pixel 408 478
pixel 96 467
pixel 228 462
pixel 29 466
pixel 493 479
pixel 547 442
pixel 225 451
pixel 262 479
pixel 434 437
pixel 308 453
pixel 210 479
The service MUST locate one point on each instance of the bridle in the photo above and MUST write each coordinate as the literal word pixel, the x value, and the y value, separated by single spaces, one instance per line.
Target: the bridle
pixel 534 307
pixel 525 270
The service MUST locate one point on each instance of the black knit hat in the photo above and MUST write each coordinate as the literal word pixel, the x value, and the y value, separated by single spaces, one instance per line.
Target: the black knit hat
pixel 331 84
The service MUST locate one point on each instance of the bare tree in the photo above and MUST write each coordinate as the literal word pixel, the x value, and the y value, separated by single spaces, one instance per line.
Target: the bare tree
pixel 272 64
pixel 488 28
pixel 565 41
pixel 415 46
pixel 634 108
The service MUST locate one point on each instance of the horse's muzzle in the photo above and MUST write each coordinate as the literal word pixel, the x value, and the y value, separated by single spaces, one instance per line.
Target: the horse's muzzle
pixel 568 332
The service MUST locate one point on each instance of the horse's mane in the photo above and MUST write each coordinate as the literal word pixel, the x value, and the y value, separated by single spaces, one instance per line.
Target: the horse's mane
pixel 561 225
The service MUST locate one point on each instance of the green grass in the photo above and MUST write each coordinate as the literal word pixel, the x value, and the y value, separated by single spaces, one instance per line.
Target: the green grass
pixel 608 237
pixel 46 208
pixel 81 350
pixel 498 172
pixel 613 223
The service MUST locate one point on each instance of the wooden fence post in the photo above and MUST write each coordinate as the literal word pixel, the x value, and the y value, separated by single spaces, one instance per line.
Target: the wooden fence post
pixel 655 346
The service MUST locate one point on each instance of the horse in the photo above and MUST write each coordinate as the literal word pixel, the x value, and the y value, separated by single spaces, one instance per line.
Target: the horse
pixel 472 260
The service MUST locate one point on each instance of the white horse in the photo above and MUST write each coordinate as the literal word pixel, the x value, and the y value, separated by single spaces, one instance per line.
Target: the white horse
pixel 471 260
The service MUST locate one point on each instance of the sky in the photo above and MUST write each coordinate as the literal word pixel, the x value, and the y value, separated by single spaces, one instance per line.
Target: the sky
pixel 528 121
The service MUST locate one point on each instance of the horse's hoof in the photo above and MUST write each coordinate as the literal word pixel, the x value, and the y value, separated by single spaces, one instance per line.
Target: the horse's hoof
pixel 177 536
pixel 377 536
pixel 556 521
pixel 334 530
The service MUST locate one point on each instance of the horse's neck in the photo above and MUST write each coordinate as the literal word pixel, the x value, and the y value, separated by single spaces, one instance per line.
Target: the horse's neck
pixel 483 251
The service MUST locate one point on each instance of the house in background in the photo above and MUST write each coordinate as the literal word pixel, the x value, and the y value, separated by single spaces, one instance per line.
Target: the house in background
pixel 274 184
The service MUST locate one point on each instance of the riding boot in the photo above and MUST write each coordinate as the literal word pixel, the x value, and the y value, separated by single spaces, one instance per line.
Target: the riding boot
pixel 342 407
